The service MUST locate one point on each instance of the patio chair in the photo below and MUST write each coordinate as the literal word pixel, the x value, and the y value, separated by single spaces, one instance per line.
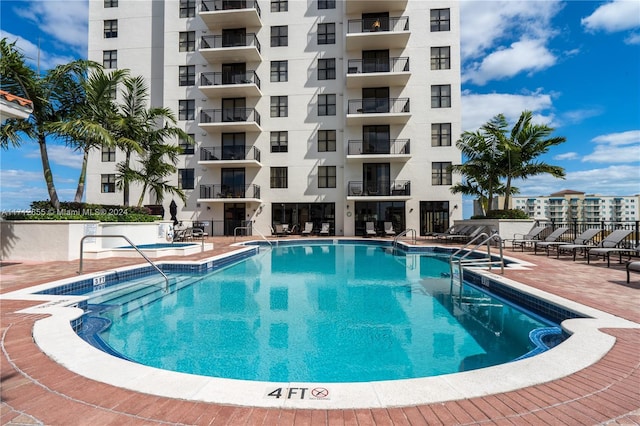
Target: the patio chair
pixel 551 238
pixel 453 230
pixel 612 240
pixel 308 228
pixel 281 229
pixel 607 252
pixel 632 266
pixel 198 234
pixel 324 228
pixel 533 234
pixel 467 235
pixel 581 239
pixel 388 229
pixel 370 229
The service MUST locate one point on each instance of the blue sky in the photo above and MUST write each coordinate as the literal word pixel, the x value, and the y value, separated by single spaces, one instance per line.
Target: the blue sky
pixel 575 64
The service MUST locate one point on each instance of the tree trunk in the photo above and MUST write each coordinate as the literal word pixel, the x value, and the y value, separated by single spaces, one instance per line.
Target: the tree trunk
pixel 507 194
pixel 46 169
pixel 141 199
pixel 125 180
pixel 82 178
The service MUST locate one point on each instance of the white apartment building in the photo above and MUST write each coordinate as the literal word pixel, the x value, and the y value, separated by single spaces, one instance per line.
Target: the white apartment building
pixel 322 111
pixel 569 205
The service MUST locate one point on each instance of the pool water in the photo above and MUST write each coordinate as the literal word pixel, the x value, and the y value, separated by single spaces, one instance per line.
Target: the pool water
pixel 316 313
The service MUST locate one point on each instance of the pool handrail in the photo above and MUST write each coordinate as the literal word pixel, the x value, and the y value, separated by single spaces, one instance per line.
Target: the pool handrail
pixel 477 262
pixel 235 233
pixel 166 279
pixel 402 234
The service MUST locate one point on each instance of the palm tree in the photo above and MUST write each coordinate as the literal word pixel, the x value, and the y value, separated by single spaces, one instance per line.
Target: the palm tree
pixel 155 169
pixel 48 96
pixel 521 149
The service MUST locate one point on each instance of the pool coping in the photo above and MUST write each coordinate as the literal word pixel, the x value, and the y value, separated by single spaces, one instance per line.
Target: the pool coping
pixel 586 346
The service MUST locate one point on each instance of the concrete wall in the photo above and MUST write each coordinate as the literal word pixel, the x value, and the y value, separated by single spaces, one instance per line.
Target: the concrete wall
pixel 507 228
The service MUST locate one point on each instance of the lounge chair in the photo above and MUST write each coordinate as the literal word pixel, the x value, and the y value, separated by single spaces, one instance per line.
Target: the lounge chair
pixel 607 252
pixel 453 231
pixel 612 240
pixel 468 234
pixel 370 229
pixel 324 229
pixel 533 234
pixel 581 239
pixel 308 228
pixel 632 266
pixel 551 238
pixel 388 229
pixel 450 231
pixel 198 233
pixel 281 229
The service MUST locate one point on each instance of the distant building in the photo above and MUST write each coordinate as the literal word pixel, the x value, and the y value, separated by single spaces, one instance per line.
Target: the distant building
pixel 569 205
pixel 12 106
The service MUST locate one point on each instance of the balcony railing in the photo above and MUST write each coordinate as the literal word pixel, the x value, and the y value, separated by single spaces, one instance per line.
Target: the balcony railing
pixel 220 78
pixel 229 115
pixel 357 66
pixel 217 191
pixel 214 5
pixel 374 25
pixel 390 147
pixel 378 189
pixel 228 41
pixel 378 106
pixel 229 153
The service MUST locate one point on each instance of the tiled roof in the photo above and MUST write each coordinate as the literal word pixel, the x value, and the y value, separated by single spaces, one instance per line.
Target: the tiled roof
pixel 16 99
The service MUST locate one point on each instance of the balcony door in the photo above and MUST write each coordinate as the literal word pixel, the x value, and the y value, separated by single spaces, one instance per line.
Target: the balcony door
pixel 375 139
pixel 377 178
pixel 375 61
pixel 375 100
pixel 234 217
pixel 233 182
pixel 233 146
pixel 234 37
pixel 234 109
pixel 234 73
pixel 372 22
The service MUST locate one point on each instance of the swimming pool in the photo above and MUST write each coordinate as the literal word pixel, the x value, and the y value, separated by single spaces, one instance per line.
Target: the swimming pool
pixel 315 313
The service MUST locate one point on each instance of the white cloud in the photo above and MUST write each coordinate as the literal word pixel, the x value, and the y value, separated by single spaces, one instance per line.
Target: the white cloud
pixel 623 147
pixel 633 39
pixel 567 156
pixel 60 155
pixel 520 56
pixel 477 108
pixel 623 138
pixel 579 115
pixel 619 15
pixel 33 55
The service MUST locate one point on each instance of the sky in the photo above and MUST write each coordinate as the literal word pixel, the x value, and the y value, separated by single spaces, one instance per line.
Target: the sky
pixel 574 64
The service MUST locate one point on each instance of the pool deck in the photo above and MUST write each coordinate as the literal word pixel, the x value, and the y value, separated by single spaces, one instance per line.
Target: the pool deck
pixel 37 390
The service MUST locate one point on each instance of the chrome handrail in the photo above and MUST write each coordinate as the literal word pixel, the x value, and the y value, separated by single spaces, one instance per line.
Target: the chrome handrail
pixel 488 261
pixel 235 233
pixel 402 234
pixel 166 279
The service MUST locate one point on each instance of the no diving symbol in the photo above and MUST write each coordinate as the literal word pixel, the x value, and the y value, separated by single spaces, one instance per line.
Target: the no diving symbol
pixel 320 393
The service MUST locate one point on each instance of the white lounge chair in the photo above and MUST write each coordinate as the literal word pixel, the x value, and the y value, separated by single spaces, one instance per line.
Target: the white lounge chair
pixel 324 229
pixel 370 229
pixel 388 229
pixel 308 228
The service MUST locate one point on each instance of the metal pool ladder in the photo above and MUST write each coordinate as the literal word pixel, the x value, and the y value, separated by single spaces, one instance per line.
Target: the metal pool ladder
pixel 484 261
pixel 402 234
pixel 237 228
pixel 166 279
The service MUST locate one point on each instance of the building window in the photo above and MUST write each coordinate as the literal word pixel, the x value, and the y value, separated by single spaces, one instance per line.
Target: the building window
pixel 110 28
pixel 187 41
pixel 110 59
pixel 279 141
pixel 279 106
pixel 186 178
pixel 187 145
pixel 441 58
pixel 326 69
pixel 110 3
pixel 440 20
pixel 187 75
pixel 441 96
pixel 441 173
pixel 279 70
pixel 279 36
pixel 326 176
pixel 327 33
pixel 326 4
pixel 108 183
pixel 279 5
pixel 326 104
pixel 187 109
pixel 187 8
pixel 441 134
pixel 326 140
pixel 108 154
pixel 279 177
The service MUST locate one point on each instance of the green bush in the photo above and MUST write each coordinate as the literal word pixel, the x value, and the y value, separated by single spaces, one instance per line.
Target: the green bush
pixel 507 214
pixel 43 210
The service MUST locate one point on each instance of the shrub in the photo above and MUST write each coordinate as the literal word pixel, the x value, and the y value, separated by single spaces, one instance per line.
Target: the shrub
pixel 507 214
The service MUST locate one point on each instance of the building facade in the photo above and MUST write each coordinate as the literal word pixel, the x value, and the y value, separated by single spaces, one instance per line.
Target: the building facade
pixel 321 111
pixel 569 206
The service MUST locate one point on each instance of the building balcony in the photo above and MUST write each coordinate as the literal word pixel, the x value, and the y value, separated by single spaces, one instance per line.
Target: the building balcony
pixel 223 85
pixel 378 111
pixel 218 48
pixel 378 151
pixel 223 193
pixel 367 6
pixel 218 14
pixel 373 73
pixel 377 33
pixel 225 156
pixel 379 191
pixel 230 120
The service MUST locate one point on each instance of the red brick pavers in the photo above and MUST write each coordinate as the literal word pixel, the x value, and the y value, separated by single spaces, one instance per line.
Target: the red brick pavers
pixel 36 390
